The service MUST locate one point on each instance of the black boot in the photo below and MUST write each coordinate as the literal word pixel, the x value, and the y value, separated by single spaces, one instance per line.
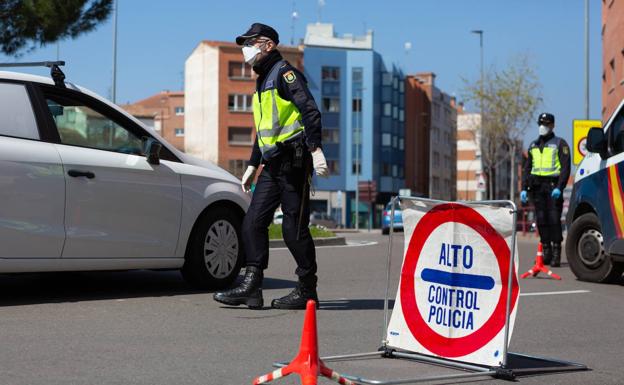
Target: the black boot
pixel 249 292
pixel 298 298
pixel 548 253
pixel 556 252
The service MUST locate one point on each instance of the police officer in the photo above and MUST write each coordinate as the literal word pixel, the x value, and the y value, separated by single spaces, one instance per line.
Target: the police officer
pixel 545 176
pixel 288 144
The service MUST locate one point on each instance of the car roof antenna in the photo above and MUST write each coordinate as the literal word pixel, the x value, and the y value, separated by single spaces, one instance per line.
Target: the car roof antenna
pixel 55 71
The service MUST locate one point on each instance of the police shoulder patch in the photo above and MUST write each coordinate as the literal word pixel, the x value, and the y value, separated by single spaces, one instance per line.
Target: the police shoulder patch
pixel 565 150
pixel 289 76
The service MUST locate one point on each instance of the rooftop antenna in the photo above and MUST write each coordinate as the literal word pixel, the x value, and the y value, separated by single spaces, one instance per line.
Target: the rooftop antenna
pixel 294 16
pixel 321 4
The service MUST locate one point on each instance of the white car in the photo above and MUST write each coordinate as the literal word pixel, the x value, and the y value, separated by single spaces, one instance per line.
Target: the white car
pixel 85 186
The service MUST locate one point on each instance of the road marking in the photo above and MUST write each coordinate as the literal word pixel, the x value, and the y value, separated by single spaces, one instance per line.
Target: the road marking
pixel 554 293
pixel 349 244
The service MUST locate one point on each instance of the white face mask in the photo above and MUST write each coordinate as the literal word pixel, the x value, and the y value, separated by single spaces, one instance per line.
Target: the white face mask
pixel 251 54
pixel 543 130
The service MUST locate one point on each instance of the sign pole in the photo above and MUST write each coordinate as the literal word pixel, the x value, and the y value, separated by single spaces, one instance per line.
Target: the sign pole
pixel 512 258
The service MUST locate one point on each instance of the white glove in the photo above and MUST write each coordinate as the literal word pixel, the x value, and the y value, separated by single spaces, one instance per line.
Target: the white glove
pixel 319 162
pixel 248 178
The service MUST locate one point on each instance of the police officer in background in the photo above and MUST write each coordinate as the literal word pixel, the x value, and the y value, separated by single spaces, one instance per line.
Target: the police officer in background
pixel 545 176
pixel 288 144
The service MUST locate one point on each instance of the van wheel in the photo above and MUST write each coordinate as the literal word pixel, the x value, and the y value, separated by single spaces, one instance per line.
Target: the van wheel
pixel 215 253
pixel 585 252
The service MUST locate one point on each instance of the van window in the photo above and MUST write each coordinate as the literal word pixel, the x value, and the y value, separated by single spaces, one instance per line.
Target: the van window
pixel 616 133
pixel 16 114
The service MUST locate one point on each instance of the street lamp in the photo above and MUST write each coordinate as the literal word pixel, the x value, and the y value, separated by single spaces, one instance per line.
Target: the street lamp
pixel 480 33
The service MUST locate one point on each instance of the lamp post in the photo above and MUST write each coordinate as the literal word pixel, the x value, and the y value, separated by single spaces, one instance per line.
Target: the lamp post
pixel 114 85
pixel 586 59
pixel 480 33
pixel 358 130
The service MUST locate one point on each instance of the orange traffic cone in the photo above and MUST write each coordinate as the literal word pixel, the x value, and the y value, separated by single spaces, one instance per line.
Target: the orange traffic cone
pixel 539 265
pixel 307 363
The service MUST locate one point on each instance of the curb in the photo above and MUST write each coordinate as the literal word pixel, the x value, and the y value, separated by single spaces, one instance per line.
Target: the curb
pixel 329 241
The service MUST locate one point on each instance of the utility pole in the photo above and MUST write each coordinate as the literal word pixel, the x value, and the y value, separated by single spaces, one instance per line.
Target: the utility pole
pixel 358 140
pixel 294 16
pixel 114 85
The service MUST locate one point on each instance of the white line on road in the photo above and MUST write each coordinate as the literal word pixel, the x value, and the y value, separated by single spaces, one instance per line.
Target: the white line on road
pixel 349 244
pixel 554 293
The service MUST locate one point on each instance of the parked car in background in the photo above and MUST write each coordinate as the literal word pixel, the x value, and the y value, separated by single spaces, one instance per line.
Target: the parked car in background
pixel 85 186
pixel 323 220
pixel 387 216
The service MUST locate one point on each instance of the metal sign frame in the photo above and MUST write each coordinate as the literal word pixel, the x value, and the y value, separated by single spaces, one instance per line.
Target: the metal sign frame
pixel 538 365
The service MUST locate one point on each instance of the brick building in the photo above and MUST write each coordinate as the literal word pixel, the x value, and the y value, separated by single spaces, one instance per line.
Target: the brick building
pixel 218 111
pixel 612 56
pixel 430 138
pixel 164 112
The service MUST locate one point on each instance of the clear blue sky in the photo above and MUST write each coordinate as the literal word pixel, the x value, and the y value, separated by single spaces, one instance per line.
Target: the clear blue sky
pixel 156 37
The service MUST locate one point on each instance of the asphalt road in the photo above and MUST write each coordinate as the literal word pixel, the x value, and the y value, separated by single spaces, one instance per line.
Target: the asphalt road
pixel 149 328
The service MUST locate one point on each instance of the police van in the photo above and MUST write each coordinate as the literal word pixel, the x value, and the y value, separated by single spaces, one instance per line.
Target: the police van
pixel 595 241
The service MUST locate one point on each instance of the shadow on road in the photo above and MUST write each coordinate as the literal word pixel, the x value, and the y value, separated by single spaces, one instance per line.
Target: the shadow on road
pixel 354 304
pixel 30 289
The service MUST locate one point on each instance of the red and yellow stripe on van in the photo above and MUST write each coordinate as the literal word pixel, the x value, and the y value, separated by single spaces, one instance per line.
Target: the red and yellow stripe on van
pixel 616 199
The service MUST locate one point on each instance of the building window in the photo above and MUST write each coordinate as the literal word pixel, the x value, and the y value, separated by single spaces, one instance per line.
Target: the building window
pixel 395 141
pixel 240 135
pixel 395 170
pixel 237 167
pixel 402 86
pixel 239 70
pixel 330 73
pixel 395 83
pixel 240 103
pixel 357 75
pixel 331 105
pixel 334 167
pixel 331 136
pixel 179 111
pixel 385 169
pixel 436 183
pixel 612 66
pixel 401 115
pixel 387 109
pixel 386 139
pixel 395 112
pixel 356 105
pixel 401 144
pixel 436 159
pixel 179 132
pixel 355 167
pixel 386 79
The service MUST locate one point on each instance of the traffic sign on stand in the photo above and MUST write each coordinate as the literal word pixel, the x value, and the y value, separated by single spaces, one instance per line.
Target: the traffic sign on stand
pixel 580 130
pixel 368 190
pixel 452 297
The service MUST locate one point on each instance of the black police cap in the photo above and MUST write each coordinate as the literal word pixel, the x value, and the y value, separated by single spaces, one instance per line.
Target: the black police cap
pixel 546 118
pixel 258 29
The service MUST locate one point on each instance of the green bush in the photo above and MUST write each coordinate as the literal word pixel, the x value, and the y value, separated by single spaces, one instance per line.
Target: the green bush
pixel 275 232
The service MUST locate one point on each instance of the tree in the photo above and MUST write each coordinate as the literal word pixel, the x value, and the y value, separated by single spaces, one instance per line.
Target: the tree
pixel 510 99
pixel 30 22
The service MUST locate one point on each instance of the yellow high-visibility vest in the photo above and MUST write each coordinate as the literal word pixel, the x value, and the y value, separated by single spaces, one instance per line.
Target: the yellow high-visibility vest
pixel 276 119
pixel 546 162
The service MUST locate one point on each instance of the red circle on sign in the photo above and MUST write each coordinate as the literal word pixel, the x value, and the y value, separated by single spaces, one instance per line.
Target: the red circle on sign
pixel 579 147
pixel 429 338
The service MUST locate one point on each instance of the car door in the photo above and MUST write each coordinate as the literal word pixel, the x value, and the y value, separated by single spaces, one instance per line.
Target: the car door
pixel 32 184
pixel 117 204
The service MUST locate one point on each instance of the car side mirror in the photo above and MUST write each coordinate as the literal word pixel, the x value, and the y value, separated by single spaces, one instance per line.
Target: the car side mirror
pixel 152 151
pixel 597 142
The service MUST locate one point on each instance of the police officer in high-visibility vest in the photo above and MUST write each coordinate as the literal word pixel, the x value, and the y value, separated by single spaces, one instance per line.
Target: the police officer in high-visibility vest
pixel 288 145
pixel 545 176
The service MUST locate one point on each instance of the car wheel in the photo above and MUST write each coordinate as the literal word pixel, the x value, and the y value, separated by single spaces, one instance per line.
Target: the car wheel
pixel 585 251
pixel 215 253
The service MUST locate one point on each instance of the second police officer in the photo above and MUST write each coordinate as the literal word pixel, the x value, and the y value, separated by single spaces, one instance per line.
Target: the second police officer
pixel 288 144
pixel 545 176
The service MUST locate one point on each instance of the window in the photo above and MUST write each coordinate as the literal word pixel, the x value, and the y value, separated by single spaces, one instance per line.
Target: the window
pixel 387 109
pixel 356 105
pixel 395 170
pixel 401 144
pixel 386 79
pixel 436 159
pixel 17 115
pixel 179 111
pixel 616 133
pixel 357 74
pixel 385 169
pixel 395 112
pixel 356 136
pixel 612 66
pixel 331 105
pixel 401 115
pixel 240 135
pixel 179 132
pixel 80 125
pixel 237 167
pixel 330 73
pixel 402 86
pixel 355 167
pixel 240 103
pixel 239 70
pixel 386 139
pixel 331 136
pixel 395 83
pixel 334 167
pixel 436 183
